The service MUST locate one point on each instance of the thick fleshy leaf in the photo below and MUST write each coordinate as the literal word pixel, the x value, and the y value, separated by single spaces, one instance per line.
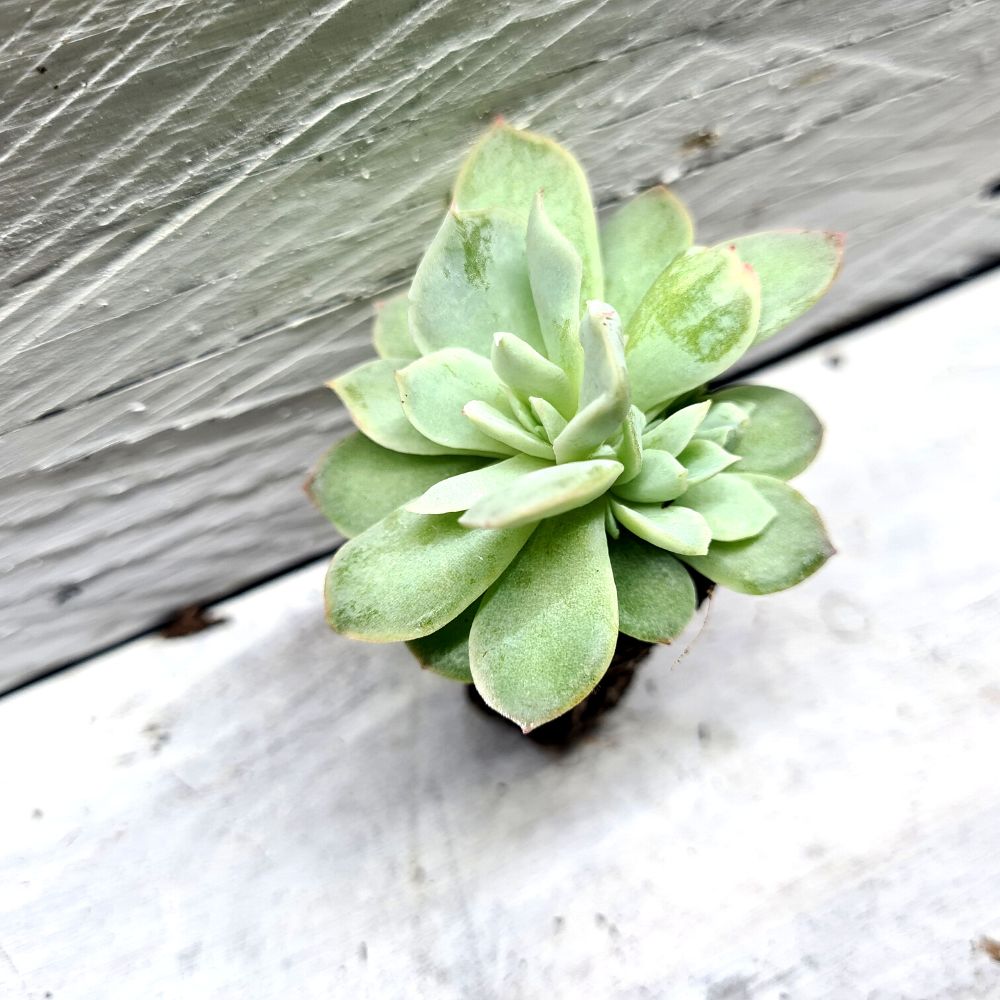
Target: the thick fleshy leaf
pixel 471 282
pixel 411 574
pixel 639 241
pixel 732 507
pixel 704 459
pixel 371 395
pixel 796 268
pixel 391 332
pixel 546 631
pixel 506 430
pixel 604 393
pixel 446 651
pixel 523 412
pixel 630 450
pixel 460 492
pixel 434 391
pixel 723 420
pixel 552 421
pixel 661 478
pixel 656 595
pixel 782 434
pixel 524 369
pixel 695 322
pixel 676 529
pixel 556 270
pixel 545 493
pixel 674 433
pixel 793 546
pixel 509 166
pixel 358 482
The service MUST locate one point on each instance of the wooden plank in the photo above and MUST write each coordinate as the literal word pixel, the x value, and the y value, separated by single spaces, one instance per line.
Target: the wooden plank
pixel 147 298
pixel 805 805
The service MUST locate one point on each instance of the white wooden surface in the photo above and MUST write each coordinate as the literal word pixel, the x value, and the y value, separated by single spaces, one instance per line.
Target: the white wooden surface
pixel 805 806
pixel 193 226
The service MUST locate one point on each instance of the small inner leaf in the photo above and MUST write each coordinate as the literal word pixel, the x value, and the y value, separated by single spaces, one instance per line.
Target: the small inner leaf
pixel 524 369
pixel 545 493
pixel 504 429
pixel 674 433
pixel 630 450
pixel 704 459
pixel 462 491
pixel 552 421
pixel 676 529
pixel 662 477
pixel 731 506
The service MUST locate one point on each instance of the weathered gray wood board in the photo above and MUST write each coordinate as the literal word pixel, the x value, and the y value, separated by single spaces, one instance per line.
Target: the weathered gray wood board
pixel 805 806
pixel 193 226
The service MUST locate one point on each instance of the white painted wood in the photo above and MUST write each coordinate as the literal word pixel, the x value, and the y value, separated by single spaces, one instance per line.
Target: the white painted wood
pixel 195 223
pixel 803 807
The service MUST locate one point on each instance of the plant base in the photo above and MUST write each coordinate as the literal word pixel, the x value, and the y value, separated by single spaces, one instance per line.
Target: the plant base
pixel 560 732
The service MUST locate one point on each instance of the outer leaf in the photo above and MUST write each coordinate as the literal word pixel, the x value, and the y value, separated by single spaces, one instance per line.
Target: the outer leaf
pixel 436 388
pixel 704 459
pixel 604 394
pixel 370 393
pixel 471 282
pixel 509 166
pixel 782 435
pixel 673 528
pixel 674 433
pixel 793 546
pixel 524 369
pixel 446 651
pixel 411 574
pixel 695 322
pixel 731 506
pixel 661 478
pixel 391 332
pixel 656 595
pixel 546 631
pixel 506 430
pixel 358 482
pixel 796 269
pixel 640 240
pixel 460 492
pixel 545 493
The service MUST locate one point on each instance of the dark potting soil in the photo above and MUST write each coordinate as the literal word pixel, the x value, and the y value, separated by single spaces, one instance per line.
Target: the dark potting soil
pixel 628 656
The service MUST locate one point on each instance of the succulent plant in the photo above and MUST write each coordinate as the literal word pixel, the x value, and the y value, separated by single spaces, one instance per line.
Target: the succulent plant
pixel 541 461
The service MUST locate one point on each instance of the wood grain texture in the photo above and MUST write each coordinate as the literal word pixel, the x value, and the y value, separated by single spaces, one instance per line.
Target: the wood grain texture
pixel 803 806
pixel 194 224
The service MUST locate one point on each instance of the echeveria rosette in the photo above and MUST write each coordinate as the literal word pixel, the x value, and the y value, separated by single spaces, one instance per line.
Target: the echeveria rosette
pixel 539 461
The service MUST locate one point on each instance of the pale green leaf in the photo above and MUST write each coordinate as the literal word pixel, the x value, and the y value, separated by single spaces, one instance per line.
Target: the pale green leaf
pixel 546 631
pixel 471 282
pixel 675 432
pixel 676 529
pixel 460 492
pixel 435 390
pixel 509 166
pixel 411 574
pixel 358 482
pixel 604 393
pixel 782 434
pixel 523 412
pixel 795 269
pixel 696 321
pixel 446 651
pixel 391 332
pixel 731 506
pixel 639 241
pixel 524 369
pixel 370 393
pixel 630 450
pixel 506 430
pixel 555 269
pixel 545 493
pixel 792 547
pixel 656 595
pixel 704 459
pixel 723 420
pixel 552 421
pixel 662 477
